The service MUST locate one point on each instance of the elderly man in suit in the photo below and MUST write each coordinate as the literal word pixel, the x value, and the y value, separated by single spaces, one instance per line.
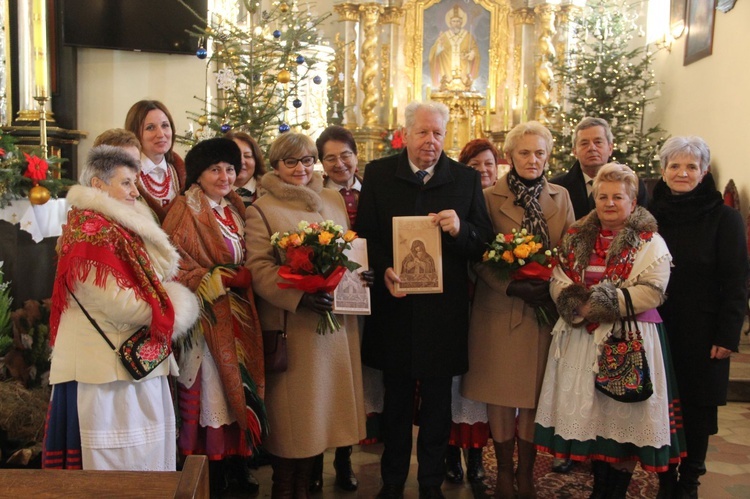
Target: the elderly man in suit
pixel 592 147
pixel 420 339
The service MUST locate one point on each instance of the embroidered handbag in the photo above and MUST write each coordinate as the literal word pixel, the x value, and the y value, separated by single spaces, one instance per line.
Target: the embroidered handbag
pixel 139 354
pixel 624 374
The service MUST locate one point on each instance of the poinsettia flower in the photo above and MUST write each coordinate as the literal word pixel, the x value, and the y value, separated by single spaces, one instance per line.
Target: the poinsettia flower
pixel 37 167
pixel 398 140
pixel 2 151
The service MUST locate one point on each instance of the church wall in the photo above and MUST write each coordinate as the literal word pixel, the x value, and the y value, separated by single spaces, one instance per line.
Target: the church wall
pixel 710 98
pixel 110 81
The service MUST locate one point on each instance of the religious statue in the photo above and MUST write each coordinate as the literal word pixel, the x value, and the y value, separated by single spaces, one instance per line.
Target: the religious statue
pixel 454 57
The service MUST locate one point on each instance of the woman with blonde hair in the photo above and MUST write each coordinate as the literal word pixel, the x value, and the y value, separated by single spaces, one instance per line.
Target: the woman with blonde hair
pixel 507 344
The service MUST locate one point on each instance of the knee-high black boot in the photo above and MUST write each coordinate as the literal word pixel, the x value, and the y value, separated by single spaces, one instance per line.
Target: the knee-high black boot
pixel 342 463
pixel 600 470
pixel 302 471
pixel 316 475
pixel 687 487
pixel 619 481
pixel 667 483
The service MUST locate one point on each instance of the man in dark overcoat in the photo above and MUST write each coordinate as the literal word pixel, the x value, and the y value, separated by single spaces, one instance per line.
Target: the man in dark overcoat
pixel 420 339
pixel 592 147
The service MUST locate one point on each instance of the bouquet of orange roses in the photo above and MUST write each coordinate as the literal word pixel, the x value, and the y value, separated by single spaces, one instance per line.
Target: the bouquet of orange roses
pixel 315 261
pixel 519 255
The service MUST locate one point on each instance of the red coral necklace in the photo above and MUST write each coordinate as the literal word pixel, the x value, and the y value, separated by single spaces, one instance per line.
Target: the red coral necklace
pixel 157 189
pixel 227 220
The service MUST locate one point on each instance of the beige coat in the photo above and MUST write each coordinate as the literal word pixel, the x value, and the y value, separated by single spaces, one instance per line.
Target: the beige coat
pixel 507 347
pixel 317 403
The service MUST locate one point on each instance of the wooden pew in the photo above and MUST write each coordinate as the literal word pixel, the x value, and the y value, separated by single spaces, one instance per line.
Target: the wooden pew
pixel 190 483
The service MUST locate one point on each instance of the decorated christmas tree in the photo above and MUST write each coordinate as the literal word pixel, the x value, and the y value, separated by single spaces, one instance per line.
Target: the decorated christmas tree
pixel 266 64
pixel 607 74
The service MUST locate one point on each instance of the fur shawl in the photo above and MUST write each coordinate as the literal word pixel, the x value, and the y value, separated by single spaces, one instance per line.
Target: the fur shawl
pixel 138 218
pixel 308 195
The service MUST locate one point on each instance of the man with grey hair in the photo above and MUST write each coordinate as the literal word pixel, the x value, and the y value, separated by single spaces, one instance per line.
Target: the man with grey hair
pixel 420 339
pixel 592 147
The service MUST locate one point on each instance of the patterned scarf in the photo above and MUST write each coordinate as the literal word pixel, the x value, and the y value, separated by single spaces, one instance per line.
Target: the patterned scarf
pixel 92 240
pixel 527 197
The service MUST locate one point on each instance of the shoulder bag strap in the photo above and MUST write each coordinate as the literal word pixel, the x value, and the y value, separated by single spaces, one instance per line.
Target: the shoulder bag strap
pixel 91 320
pixel 629 311
pixel 275 249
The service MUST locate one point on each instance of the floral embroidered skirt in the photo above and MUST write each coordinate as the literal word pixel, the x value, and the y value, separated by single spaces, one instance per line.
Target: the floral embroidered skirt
pixel 576 421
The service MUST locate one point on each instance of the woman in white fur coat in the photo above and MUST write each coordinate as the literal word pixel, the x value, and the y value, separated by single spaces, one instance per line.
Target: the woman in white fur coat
pixel 120 265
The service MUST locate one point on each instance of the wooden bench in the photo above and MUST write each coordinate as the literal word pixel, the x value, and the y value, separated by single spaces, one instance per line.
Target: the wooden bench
pixel 190 483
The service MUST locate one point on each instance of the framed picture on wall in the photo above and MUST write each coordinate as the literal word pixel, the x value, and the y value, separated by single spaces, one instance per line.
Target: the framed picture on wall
pixel 700 24
pixel 677 17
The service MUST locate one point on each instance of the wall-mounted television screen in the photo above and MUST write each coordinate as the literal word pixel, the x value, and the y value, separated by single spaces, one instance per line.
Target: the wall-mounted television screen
pixel 141 25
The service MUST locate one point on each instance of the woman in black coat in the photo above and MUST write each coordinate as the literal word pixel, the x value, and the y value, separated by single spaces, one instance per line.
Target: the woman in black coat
pixel 707 295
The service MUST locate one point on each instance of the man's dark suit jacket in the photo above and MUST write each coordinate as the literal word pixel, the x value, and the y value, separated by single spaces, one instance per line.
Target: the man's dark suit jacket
pixel 420 335
pixel 573 181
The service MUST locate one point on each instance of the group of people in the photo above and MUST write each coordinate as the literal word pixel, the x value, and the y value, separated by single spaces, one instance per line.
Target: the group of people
pixel 184 248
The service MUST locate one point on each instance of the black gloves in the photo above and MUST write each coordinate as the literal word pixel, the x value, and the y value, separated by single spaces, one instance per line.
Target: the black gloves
pixel 320 302
pixel 368 276
pixel 535 292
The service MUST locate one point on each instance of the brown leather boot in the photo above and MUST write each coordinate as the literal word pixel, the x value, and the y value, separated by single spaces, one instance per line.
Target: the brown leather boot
pixel 302 473
pixel 504 455
pixel 283 477
pixel 525 471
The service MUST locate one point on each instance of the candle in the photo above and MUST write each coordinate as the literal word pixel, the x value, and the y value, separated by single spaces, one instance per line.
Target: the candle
pixel 487 112
pixel 506 110
pixel 40 49
pixel 524 103
pixel 394 111
pixel 389 107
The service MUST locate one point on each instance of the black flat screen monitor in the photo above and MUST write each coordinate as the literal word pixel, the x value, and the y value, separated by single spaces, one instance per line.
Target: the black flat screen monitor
pixel 140 25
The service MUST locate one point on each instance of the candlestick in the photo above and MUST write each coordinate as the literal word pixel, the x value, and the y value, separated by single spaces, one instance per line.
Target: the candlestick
pixel 42 101
pixel 487 113
pixel 524 103
pixel 506 110
pixel 428 93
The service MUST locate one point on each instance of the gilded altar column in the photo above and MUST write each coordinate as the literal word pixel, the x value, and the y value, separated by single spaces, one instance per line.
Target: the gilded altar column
pixel 349 16
pixel 543 97
pixel 369 15
pixel 523 63
pixel 389 19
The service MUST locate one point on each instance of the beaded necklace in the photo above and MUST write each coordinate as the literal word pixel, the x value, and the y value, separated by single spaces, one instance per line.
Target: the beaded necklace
pixel 227 220
pixel 157 189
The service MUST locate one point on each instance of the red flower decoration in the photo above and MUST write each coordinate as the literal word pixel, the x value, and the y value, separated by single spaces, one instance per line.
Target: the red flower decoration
pixel 299 258
pixel 36 169
pixel 2 151
pixel 397 142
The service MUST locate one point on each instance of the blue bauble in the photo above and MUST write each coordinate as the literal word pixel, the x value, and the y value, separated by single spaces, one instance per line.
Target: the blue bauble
pixel 201 53
pixel 317 80
pixel 277 34
pixel 297 103
pixel 225 128
pixel 283 128
pixel 300 59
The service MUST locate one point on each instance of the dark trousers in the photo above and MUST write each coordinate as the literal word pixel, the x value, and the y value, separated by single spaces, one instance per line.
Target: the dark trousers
pixel 434 428
pixel 699 423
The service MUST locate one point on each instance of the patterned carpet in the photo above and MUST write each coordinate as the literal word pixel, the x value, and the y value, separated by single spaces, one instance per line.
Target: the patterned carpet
pixel 574 485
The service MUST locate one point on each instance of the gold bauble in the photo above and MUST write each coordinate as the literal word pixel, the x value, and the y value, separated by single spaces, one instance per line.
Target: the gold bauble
pixel 284 7
pixel 381 147
pixel 284 76
pixel 305 125
pixel 39 195
pixel 202 121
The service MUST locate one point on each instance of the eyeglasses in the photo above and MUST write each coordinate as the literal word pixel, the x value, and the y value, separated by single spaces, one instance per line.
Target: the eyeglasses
pixel 345 157
pixel 305 160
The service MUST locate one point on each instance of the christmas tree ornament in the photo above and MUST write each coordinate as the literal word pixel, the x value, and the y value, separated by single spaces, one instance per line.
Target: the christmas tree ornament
pixel 305 125
pixel 284 76
pixel 300 59
pixel 283 128
pixel 201 53
pixel 317 80
pixel 297 103
pixel 39 195
pixel 202 120
pixel 225 128
pixel 276 34
pixel 284 7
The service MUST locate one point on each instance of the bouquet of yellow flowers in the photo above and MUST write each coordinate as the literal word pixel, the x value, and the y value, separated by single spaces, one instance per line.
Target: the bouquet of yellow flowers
pixel 315 261
pixel 519 255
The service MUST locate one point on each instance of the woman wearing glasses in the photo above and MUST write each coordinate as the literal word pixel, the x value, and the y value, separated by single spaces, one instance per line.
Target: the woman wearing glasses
pixel 317 403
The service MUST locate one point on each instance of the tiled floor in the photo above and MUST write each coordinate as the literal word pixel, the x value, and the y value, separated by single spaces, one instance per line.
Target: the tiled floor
pixel 728 458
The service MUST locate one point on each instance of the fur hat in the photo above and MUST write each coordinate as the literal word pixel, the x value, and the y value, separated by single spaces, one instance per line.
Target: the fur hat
pixel 209 152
